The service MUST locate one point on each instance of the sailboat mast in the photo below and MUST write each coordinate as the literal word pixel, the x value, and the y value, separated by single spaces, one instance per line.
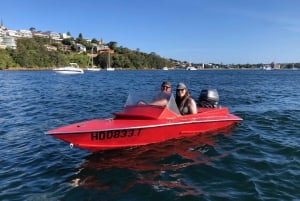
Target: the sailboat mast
pixel 108 60
pixel 92 57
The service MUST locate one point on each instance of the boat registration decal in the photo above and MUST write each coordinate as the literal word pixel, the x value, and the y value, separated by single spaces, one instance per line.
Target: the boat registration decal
pixel 113 134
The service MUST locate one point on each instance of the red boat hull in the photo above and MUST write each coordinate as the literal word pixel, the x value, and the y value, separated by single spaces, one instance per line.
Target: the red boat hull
pixel 132 128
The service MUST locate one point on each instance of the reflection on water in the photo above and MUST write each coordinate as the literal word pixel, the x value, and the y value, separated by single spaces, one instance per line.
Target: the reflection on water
pixel 156 165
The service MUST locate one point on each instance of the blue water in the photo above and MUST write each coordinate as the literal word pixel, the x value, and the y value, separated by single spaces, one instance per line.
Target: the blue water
pixel 258 160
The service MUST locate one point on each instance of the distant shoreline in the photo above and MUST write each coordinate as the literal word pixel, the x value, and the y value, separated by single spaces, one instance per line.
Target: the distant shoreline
pixel 120 69
pixel 26 69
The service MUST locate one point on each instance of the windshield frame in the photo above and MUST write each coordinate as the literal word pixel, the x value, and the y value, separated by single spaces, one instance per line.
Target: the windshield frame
pixel 143 98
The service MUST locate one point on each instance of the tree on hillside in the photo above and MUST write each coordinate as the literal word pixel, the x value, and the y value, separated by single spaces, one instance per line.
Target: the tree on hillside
pixel 112 45
pixel 67 41
pixel 5 59
pixel 32 29
pixel 94 40
pixel 84 42
pixel 34 52
pixel 80 39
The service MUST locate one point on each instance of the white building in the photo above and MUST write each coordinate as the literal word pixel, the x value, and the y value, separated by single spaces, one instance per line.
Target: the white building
pixel 54 36
pixel 65 36
pixel 25 33
pixel 8 41
pixel 102 47
pixel 41 34
pixel 81 47
pixel 12 33
pixel 2 32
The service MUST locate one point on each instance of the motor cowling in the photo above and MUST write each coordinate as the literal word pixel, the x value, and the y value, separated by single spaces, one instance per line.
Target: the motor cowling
pixel 208 98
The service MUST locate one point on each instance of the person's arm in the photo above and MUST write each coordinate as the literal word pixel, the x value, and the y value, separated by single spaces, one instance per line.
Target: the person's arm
pixel 193 107
pixel 162 102
pixel 161 99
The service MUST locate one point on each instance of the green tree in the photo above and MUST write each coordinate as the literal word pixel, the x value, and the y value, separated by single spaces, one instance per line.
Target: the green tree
pixel 95 41
pixel 66 41
pixel 6 60
pixel 32 29
pixel 112 45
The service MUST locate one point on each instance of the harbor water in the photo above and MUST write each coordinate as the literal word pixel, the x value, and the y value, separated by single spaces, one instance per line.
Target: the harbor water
pixel 259 159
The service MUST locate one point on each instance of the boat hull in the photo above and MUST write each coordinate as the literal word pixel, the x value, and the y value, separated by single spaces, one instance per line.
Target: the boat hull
pixel 69 70
pixel 93 69
pixel 110 69
pixel 97 135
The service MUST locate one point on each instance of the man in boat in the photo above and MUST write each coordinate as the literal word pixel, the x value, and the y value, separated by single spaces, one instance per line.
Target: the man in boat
pixel 185 103
pixel 164 95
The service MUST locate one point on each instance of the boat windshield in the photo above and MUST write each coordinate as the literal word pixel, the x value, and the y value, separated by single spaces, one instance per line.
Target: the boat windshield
pixel 149 99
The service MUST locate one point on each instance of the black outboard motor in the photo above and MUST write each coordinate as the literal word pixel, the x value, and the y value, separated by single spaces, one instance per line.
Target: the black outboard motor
pixel 209 98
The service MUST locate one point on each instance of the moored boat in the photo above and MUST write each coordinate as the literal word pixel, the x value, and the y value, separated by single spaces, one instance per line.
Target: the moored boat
pixel 91 66
pixel 93 69
pixel 142 124
pixel 109 68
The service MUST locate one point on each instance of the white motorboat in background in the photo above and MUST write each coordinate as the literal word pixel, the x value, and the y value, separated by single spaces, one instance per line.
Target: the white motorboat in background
pixel 72 69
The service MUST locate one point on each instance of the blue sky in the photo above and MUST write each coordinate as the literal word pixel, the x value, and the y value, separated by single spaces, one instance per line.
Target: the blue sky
pixel 208 31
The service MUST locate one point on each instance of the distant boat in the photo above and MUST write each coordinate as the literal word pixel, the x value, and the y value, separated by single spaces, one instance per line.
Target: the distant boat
pixel 72 69
pixel 165 68
pixel 109 68
pixel 267 68
pixel 92 67
pixel 191 68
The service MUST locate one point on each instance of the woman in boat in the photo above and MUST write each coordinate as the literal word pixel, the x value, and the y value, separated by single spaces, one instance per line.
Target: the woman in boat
pixel 185 103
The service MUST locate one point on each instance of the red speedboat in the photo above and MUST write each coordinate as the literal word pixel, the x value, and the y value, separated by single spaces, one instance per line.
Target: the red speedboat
pixel 142 124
